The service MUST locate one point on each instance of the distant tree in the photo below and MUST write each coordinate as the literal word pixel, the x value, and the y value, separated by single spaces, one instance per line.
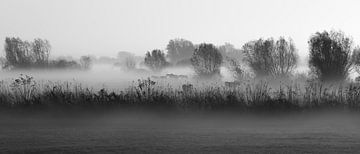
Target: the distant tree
pixel 41 51
pixel 85 62
pixel 330 55
pixel 18 52
pixel 122 55
pixel 64 63
pixel 155 60
pixel 270 58
pixel 130 63
pixel 228 50
pixel 179 50
pixel 206 60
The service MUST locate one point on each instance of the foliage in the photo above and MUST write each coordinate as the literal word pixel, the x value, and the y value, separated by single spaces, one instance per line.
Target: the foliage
pixel 271 58
pixel 179 49
pixel 41 51
pixel 207 60
pixel 23 54
pixel 229 51
pixel 330 55
pixel 155 60
pixel 62 63
pixel 19 53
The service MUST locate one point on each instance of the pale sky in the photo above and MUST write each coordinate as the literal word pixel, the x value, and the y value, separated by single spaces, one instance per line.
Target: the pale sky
pixel 104 27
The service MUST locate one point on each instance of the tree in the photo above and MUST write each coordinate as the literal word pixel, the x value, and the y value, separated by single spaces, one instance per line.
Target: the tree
pixel 41 51
pixel 258 56
pixel 228 50
pixel 270 58
pixel 130 63
pixel 179 50
pixel 330 55
pixel 85 62
pixel 284 58
pixel 122 55
pixel 155 60
pixel 18 52
pixel 206 60
pixel 22 54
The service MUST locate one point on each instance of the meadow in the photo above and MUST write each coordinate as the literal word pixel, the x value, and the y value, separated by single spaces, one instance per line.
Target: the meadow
pixel 190 93
pixel 110 111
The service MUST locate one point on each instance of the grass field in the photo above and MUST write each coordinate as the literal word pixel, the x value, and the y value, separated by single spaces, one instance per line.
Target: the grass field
pixel 325 132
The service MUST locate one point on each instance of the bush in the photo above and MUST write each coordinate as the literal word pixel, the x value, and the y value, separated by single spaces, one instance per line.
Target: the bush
pixel 206 60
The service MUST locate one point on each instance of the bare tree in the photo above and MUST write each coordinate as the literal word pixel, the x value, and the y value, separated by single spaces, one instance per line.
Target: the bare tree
pixel 284 58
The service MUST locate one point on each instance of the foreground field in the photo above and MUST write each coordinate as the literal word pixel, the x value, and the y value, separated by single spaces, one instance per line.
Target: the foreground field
pixel 181 133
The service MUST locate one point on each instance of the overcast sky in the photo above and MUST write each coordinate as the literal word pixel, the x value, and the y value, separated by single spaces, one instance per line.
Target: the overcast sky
pixel 104 27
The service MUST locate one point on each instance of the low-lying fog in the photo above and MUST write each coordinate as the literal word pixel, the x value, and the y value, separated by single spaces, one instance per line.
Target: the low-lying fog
pixel 110 76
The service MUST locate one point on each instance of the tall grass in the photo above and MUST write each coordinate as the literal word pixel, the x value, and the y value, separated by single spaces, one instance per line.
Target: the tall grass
pixel 25 92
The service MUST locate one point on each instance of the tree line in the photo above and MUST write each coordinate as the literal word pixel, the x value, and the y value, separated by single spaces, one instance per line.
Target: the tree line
pixel 332 55
pixel 21 54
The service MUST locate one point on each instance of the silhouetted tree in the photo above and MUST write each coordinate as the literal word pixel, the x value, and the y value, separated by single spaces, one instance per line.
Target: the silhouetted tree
pixel 270 58
pixel 330 55
pixel 122 55
pixel 155 60
pixel 85 62
pixel 206 60
pixel 179 50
